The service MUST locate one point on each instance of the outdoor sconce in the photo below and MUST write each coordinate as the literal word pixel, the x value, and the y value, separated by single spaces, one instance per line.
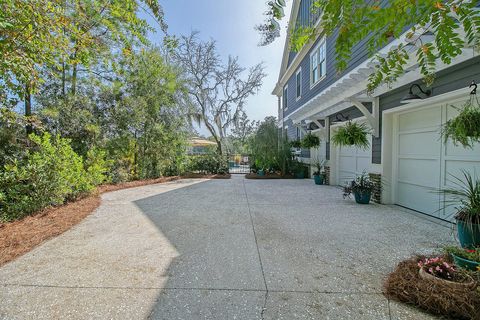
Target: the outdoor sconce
pixel 339 117
pixel 411 97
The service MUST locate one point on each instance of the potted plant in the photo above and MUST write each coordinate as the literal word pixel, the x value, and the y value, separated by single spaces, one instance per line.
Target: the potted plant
pixel 468 259
pixel 361 188
pixel 352 134
pixel 296 144
pixel 319 173
pixel 465 196
pixel 310 141
pixel 437 269
pixel 297 169
pixel 464 129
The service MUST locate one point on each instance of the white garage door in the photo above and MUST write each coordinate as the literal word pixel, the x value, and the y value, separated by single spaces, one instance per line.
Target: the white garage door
pixel 352 162
pixel 425 164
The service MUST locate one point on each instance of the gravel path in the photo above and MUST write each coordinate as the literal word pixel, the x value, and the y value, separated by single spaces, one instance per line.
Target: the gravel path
pixel 221 249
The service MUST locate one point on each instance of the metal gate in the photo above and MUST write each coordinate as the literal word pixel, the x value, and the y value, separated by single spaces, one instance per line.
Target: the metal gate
pixel 238 163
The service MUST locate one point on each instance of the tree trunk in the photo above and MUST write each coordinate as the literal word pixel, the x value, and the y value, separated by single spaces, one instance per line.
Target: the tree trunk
pixel 74 79
pixel 64 80
pixel 28 108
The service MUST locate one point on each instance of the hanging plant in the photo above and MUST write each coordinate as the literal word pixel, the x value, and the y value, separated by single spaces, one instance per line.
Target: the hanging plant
pixel 464 129
pixel 310 141
pixel 352 134
pixel 296 144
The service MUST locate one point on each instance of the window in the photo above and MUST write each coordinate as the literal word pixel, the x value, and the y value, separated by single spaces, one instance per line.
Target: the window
pixel 318 63
pixel 285 97
pixel 298 77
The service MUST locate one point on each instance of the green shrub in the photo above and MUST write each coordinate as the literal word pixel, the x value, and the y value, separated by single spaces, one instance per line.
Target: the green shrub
pixel 210 163
pixel 97 166
pixel 49 174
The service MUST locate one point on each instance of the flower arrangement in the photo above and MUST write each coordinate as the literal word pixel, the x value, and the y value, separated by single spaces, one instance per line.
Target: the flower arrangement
pixel 361 185
pixel 469 254
pixel 438 267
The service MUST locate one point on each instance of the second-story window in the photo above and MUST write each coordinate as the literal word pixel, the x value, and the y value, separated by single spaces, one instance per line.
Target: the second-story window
pixel 285 98
pixel 298 78
pixel 318 63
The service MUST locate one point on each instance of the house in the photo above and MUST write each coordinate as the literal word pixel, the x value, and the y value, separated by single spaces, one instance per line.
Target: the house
pixel 407 156
pixel 198 146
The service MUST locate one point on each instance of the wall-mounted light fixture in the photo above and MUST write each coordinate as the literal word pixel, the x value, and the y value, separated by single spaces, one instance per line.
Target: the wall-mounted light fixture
pixel 340 117
pixel 411 97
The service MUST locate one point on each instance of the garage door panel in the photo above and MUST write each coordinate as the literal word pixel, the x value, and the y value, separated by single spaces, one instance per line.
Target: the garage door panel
pixel 453 168
pixel 459 151
pixel 346 176
pixel 347 151
pixel 408 196
pixel 420 144
pixel 347 162
pixel 363 164
pixel 421 119
pixel 421 172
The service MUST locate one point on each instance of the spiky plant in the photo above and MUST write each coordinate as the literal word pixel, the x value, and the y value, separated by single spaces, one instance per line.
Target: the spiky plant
pixel 465 196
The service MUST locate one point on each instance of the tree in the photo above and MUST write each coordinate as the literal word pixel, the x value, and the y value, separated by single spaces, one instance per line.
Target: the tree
pixel 41 37
pixel 217 92
pixel 455 25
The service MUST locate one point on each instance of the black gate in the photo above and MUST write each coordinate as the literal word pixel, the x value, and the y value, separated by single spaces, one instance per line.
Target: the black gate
pixel 238 163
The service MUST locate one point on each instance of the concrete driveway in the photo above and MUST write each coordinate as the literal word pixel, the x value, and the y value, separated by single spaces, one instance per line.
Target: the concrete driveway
pixel 221 249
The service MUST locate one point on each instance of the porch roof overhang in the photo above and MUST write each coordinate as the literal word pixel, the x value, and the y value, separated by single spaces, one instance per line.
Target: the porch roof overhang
pixel 352 86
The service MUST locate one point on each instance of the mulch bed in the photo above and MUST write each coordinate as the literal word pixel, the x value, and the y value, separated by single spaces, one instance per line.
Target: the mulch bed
pixel 267 176
pixel 206 176
pixel 21 236
pixel 405 285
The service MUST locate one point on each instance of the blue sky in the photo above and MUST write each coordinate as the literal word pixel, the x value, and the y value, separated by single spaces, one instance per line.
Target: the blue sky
pixel 231 23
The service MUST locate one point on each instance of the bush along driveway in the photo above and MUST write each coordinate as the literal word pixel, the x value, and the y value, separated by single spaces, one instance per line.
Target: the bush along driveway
pixel 221 249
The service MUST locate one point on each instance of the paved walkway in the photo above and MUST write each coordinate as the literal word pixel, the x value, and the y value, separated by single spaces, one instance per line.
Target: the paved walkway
pixel 220 249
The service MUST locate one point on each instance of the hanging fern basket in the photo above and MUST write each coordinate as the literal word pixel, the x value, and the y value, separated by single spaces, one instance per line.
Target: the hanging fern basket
pixel 352 134
pixel 464 129
pixel 310 141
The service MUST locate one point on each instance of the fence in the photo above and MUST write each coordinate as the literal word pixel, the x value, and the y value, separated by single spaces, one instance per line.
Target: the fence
pixel 238 163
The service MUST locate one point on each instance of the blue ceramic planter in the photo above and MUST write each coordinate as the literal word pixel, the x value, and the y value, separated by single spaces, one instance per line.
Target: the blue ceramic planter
pixel 465 263
pixel 468 234
pixel 318 179
pixel 261 172
pixel 363 198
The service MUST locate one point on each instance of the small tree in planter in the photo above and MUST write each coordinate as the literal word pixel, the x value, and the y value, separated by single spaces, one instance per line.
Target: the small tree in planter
pixel 352 134
pixel 361 188
pixel 466 197
pixel 310 141
pixel 319 174
pixel 464 129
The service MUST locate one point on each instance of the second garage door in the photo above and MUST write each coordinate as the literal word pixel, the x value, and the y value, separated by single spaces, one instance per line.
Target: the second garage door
pixel 424 164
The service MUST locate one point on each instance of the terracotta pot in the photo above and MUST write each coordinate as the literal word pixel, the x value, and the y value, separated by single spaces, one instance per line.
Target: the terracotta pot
pixel 458 285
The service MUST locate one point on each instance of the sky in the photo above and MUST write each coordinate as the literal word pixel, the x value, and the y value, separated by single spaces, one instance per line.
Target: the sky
pixel 231 24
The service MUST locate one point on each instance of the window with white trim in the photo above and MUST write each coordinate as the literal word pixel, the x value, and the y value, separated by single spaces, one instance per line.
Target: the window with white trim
pixel 285 97
pixel 298 79
pixel 318 63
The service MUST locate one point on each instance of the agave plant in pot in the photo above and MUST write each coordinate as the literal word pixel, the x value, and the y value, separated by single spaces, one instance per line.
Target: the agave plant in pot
pixel 319 175
pixel 361 188
pixel 465 196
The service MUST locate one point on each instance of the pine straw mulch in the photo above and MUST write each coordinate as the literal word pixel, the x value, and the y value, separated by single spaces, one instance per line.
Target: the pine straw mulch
pixel 405 285
pixel 21 236
pixel 267 176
